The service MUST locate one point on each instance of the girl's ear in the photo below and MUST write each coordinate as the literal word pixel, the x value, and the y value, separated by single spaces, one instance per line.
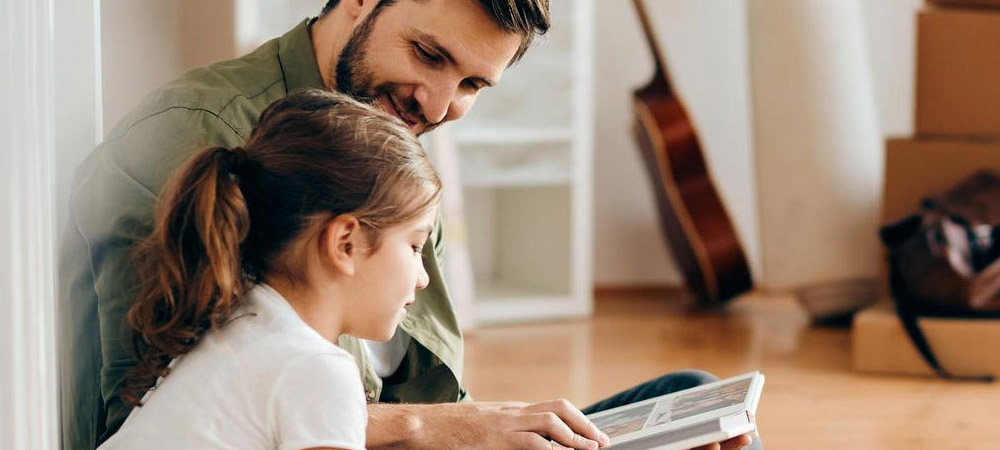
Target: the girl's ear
pixel 340 244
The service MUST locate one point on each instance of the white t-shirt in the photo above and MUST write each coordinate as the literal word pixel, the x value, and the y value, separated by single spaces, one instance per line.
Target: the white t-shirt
pixel 265 380
pixel 386 357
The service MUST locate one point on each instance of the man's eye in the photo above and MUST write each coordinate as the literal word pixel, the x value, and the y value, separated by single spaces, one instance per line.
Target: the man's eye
pixel 472 85
pixel 425 55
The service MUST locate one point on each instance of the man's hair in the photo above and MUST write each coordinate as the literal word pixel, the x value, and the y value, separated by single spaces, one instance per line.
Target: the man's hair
pixel 527 18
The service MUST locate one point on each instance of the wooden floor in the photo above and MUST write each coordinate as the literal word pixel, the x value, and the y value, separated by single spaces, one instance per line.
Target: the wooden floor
pixel 812 399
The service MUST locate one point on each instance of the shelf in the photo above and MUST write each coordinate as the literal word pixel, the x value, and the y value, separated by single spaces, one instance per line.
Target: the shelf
pixel 502 290
pixel 524 157
pixel 505 303
pixel 492 312
pixel 542 89
pixel 520 180
pixel 528 165
pixel 512 135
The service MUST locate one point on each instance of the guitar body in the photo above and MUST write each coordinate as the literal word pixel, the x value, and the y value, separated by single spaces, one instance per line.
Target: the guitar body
pixel 693 217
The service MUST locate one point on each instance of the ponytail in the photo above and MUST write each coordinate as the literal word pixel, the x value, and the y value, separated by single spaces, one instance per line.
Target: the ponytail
pixel 313 154
pixel 189 268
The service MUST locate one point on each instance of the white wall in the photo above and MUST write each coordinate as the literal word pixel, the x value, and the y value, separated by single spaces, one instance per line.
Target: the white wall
pixel 817 142
pixel 705 42
pixel 831 79
pixel 78 116
pixel 708 45
pixel 140 43
pixel 705 46
pixel 146 44
pixel 890 27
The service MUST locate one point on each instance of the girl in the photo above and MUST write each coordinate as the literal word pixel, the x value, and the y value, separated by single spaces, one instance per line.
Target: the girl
pixel 260 257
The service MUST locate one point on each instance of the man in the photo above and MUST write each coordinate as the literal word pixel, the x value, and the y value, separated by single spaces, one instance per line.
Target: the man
pixel 425 62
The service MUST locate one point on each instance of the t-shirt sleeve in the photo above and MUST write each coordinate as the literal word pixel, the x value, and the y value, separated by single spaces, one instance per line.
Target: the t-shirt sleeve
pixel 318 401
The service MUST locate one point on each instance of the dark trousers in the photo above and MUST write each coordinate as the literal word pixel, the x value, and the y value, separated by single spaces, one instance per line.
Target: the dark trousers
pixel 671 382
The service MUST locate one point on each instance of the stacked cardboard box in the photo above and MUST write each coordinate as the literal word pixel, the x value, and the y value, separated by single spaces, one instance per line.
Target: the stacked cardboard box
pixel 881 346
pixel 957 133
pixel 958 65
pixel 990 3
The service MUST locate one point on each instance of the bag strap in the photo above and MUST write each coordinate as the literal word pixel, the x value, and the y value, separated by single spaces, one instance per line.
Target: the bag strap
pixel 904 309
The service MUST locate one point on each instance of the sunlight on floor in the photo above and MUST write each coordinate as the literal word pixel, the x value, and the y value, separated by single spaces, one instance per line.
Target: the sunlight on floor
pixel 812 398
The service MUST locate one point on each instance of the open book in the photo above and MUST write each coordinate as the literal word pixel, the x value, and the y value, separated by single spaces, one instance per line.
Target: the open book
pixel 685 419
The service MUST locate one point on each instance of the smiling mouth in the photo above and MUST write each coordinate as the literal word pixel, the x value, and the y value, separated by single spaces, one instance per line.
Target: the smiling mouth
pixel 393 108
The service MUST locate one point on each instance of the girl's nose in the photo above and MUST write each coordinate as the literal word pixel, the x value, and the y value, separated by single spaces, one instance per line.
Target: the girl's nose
pixel 422 278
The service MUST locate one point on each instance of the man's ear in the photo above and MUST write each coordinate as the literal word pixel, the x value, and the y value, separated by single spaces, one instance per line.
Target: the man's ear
pixel 340 243
pixel 356 9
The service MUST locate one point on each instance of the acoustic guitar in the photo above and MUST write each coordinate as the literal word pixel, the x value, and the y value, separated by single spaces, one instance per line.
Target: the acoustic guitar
pixel 693 217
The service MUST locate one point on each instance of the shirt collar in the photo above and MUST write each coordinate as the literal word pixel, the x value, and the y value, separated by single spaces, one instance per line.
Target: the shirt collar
pixel 297 59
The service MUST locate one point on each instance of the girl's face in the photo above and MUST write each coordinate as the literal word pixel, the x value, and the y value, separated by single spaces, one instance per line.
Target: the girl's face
pixel 386 280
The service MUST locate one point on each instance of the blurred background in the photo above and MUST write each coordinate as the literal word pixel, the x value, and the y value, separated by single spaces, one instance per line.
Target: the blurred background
pixel 790 99
pixel 551 210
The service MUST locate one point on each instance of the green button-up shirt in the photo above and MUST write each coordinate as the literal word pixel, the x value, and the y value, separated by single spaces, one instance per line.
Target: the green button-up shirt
pixel 112 201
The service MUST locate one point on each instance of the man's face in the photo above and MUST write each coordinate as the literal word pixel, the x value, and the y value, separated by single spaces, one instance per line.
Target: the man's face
pixel 424 61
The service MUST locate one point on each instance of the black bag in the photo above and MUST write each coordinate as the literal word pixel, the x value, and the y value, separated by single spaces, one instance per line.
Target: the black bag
pixel 944 261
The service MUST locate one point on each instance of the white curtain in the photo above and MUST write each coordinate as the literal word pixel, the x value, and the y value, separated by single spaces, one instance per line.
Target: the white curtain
pixel 29 412
pixel 817 142
pixel 49 118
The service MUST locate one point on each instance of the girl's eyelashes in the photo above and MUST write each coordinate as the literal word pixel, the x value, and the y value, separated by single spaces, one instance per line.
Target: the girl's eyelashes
pixel 417 249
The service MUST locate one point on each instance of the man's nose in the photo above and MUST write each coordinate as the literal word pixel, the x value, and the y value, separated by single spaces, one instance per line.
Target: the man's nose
pixel 435 100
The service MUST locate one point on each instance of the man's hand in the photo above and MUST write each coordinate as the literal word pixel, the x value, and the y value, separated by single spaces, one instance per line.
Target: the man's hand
pixel 735 443
pixel 507 425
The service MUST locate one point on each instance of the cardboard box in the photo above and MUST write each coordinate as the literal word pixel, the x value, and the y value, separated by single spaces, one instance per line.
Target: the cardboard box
pixel 917 168
pixel 880 344
pixel 974 3
pixel 958 65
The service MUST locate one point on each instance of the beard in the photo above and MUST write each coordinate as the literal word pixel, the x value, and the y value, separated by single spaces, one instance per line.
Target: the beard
pixel 354 77
pixel 352 74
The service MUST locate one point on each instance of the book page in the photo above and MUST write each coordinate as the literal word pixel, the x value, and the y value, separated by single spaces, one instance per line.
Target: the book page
pixel 686 409
pixel 691 404
pixel 625 421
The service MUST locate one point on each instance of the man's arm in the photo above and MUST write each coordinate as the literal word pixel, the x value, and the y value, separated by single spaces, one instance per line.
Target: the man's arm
pixel 470 424
pixel 507 425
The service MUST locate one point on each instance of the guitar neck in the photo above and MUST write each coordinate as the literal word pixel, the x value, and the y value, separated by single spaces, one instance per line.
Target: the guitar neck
pixel 654 44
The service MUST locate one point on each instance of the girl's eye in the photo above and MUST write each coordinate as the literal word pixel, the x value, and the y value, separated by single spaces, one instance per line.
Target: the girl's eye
pixel 417 249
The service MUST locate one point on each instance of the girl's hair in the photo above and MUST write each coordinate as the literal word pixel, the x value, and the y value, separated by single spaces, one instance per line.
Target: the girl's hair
pixel 227 214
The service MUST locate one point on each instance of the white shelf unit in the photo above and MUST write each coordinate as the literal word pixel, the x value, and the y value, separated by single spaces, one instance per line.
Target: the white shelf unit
pixel 525 156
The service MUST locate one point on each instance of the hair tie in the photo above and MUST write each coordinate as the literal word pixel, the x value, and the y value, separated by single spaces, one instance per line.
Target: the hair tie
pixel 234 159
